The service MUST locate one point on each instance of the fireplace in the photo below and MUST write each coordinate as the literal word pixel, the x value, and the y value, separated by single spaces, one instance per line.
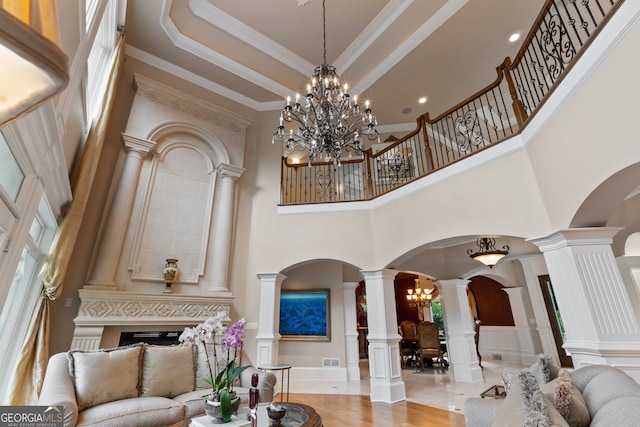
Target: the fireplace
pixel 151 337
pixel 105 315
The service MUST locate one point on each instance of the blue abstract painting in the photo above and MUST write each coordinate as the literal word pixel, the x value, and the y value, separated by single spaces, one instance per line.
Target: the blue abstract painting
pixel 304 314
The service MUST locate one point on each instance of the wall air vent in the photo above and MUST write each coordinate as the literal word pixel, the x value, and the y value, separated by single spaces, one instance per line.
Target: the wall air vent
pixel 330 362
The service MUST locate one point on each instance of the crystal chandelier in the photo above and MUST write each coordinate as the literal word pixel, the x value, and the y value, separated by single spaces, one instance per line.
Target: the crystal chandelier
pixel 330 121
pixel 418 297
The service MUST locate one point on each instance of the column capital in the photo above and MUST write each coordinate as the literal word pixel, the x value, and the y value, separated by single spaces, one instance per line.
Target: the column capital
pixel 459 283
pixel 350 285
pixel 514 290
pixel 226 170
pixel 576 237
pixel 277 278
pixel 132 143
pixel 384 274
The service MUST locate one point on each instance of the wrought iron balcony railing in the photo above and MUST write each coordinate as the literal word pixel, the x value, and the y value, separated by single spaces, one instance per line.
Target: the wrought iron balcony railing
pixel 563 29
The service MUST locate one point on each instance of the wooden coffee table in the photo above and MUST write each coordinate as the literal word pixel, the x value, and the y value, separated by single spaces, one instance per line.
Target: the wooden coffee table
pixel 298 415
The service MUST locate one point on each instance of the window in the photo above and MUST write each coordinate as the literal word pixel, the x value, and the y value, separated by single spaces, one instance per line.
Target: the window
pixel 24 289
pixel 11 176
pixel 98 61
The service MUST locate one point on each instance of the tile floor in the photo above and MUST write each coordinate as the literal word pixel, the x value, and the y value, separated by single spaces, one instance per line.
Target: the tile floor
pixel 433 387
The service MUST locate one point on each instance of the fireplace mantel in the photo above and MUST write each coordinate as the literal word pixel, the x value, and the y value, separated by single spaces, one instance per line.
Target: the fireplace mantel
pixel 103 308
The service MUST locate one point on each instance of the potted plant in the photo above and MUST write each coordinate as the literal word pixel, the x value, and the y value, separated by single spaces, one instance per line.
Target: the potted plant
pixel 222 373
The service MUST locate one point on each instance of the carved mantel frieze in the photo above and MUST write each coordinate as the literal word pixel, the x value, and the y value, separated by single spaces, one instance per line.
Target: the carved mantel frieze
pixel 108 308
pixel 101 310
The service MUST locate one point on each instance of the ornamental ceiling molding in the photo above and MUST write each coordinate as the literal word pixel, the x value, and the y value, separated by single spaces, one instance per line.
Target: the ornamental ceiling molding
pixel 176 100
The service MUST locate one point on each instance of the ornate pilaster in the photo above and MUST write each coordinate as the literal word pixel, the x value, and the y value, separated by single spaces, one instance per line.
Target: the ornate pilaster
pixel 269 323
pixel 384 340
pixel 532 267
pixel 527 340
pixel 106 267
pixel 351 331
pixel 600 324
pixel 228 175
pixel 461 347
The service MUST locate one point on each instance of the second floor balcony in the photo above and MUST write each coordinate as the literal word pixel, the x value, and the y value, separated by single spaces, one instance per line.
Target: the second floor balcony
pixel 563 30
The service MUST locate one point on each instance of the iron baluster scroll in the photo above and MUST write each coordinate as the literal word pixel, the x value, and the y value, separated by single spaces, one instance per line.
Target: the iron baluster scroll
pixel 560 33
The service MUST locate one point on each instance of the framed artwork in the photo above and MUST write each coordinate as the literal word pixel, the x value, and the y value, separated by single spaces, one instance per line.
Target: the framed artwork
pixel 304 315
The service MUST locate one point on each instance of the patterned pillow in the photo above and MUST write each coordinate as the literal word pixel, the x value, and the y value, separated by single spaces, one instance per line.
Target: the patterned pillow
pixel 102 376
pixel 568 400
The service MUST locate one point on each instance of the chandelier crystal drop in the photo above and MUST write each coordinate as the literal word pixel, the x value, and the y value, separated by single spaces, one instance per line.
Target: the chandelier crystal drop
pixel 330 121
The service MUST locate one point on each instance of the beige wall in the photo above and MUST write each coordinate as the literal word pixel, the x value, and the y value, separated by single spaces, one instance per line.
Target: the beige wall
pixel 525 194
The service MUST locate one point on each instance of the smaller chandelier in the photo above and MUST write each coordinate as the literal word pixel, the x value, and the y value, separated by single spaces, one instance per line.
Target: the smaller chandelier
pixel 487 253
pixel 418 297
pixel 330 121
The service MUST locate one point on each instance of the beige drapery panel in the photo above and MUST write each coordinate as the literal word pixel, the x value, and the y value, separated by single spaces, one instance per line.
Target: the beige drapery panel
pixel 41 15
pixel 26 382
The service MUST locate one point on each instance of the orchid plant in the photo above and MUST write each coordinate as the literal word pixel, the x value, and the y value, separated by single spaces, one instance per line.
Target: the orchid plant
pixel 221 377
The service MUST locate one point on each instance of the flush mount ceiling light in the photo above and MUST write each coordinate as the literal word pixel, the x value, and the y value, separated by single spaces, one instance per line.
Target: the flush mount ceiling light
pixel 34 68
pixel 487 252
pixel 329 122
pixel 514 37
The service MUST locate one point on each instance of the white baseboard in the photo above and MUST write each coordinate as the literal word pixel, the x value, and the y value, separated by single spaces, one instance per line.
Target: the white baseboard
pixel 318 374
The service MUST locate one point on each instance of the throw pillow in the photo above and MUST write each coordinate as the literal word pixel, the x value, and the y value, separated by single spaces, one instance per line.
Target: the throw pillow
pixel 167 371
pixel 507 381
pixel 513 413
pixel 102 376
pixel 544 370
pixel 568 400
pixel 202 370
pixel 539 412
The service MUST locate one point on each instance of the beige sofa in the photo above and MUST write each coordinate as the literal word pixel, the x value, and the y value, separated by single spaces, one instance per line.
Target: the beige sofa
pixel 601 396
pixel 140 385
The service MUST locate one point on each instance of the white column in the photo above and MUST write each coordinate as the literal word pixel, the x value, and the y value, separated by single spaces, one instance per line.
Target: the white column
pixel 384 340
pixel 269 318
pixel 427 314
pixel 461 347
pixel 223 228
pixel 106 266
pixel 532 267
pixel 600 324
pixel 527 338
pixel 351 331
pixel 630 271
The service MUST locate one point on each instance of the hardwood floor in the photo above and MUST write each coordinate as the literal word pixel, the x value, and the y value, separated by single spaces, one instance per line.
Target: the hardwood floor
pixel 359 411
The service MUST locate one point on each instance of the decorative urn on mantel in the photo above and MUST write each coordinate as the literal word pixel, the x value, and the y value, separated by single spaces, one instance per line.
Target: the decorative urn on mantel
pixel 170 274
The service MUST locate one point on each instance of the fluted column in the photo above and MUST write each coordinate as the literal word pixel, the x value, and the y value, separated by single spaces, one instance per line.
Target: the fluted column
pixel 223 227
pixel 269 318
pixel 528 342
pixel 384 340
pixel 351 331
pixel 600 324
pixel 114 233
pixel 532 267
pixel 461 346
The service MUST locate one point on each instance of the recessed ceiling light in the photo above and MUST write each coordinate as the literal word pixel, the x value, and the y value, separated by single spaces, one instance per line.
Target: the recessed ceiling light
pixel 407 110
pixel 514 37
pixel 422 100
